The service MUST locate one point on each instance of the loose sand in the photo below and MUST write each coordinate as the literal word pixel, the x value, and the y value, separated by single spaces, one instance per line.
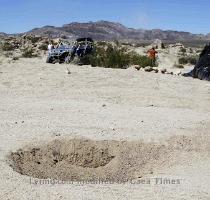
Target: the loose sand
pixel 104 124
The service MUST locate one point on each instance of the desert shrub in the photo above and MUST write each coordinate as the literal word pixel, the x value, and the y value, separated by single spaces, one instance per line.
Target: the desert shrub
pixel 192 60
pixel 188 60
pixel 6 46
pixel 163 46
pixel 126 44
pixel 183 50
pixel 33 39
pixel 143 61
pixel 110 56
pixel 183 60
pixel 101 43
pixel 179 66
pixel 28 52
pixel 43 47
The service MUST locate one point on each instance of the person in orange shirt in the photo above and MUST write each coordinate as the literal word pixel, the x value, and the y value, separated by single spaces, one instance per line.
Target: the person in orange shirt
pixel 152 55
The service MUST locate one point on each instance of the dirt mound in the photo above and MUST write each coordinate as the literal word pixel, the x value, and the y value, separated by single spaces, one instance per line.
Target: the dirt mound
pixel 87 160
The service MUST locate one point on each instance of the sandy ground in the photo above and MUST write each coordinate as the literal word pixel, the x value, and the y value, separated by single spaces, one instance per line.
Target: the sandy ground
pixel 40 103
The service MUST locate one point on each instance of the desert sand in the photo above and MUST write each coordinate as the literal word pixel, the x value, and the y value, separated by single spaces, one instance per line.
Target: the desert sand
pixel 151 128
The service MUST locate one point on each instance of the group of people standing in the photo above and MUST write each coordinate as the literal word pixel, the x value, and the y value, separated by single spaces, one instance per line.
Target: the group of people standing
pixel 51 46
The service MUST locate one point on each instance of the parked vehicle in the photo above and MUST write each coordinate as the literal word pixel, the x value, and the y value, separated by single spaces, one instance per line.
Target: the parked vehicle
pixel 66 53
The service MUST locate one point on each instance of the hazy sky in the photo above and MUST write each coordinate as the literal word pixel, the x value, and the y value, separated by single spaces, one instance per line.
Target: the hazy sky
pixel 186 15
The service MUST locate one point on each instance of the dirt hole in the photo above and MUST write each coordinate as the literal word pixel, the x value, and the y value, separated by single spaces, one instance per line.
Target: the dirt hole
pixel 88 160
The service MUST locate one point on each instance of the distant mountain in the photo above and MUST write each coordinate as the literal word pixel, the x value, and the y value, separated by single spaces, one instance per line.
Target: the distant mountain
pixel 104 30
pixel 3 34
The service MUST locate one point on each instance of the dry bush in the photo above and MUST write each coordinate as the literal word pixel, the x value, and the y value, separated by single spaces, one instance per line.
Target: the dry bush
pixel 43 47
pixel 115 56
pixel 179 66
pixel 28 52
pixel 188 60
pixel 6 46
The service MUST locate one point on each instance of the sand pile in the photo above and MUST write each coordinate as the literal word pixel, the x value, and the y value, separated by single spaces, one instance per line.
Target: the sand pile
pixel 88 160
pixel 81 159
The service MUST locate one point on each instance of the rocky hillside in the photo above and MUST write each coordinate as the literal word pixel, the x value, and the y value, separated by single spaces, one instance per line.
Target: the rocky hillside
pixel 104 30
pixel 25 46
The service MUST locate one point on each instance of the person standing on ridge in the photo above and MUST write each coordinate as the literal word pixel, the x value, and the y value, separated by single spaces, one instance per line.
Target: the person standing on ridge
pixel 152 55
